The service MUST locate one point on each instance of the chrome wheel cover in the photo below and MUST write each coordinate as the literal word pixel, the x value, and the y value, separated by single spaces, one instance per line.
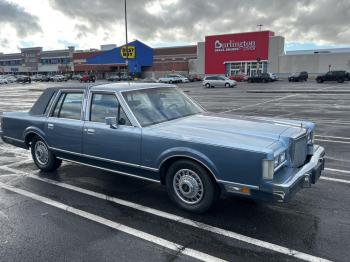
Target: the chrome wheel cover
pixel 41 153
pixel 188 186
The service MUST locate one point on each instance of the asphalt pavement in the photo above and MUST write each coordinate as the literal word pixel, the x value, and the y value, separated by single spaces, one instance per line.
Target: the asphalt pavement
pixel 82 214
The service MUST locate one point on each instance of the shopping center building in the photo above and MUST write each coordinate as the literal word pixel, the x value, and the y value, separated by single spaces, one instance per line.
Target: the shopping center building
pixel 227 54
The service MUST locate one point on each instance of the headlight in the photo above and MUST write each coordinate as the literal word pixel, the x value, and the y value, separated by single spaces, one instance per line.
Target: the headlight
pixel 279 159
pixel 268 169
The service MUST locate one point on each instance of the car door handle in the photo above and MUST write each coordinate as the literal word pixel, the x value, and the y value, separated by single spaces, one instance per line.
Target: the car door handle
pixel 50 126
pixel 90 131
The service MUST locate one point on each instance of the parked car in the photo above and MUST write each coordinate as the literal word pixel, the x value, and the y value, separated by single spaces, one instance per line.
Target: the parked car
pixel 149 80
pixel 113 78
pixel 347 76
pixel 194 78
pixel 174 78
pixel 45 78
pixel 37 77
pixel 260 78
pixel 339 76
pixel 58 78
pixel 125 77
pixel 23 79
pixel 10 78
pixel 160 134
pixel 273 76
pixel 76 77
pixel 298 77
pixel 3 81
pixel 88 78
pixel 218 81
pixel 239 77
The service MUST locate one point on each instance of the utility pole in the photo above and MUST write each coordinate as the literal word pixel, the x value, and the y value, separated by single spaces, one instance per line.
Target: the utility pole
pixel 258 58
pixel 126 41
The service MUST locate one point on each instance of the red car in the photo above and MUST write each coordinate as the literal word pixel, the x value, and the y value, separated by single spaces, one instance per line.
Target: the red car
pixel 88 78
pixel 239 78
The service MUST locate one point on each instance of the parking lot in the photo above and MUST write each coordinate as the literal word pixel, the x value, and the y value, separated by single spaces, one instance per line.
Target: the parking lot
pixel 84 214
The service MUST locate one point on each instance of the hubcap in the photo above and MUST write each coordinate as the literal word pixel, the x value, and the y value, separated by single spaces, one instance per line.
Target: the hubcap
pixel 188 186
pixel 41 153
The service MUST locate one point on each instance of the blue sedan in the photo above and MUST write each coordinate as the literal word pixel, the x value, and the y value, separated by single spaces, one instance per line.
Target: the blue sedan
pixel 156 132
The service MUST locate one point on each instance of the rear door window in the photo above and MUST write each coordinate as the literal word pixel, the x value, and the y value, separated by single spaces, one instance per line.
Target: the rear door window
pixel 69 106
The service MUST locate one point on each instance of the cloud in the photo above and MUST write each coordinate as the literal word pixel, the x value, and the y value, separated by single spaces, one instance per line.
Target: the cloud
pixel 21 21
pixel 321 21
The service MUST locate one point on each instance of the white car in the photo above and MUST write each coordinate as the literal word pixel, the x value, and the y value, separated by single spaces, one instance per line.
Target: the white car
pixel 3 81
pixel 11 78
pixel 273 76
pixel 173 78
pixel 58 78
pixel 218 81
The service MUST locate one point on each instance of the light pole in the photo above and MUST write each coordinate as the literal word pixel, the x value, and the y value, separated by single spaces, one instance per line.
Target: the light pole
pixel 126 41
pixel 258 58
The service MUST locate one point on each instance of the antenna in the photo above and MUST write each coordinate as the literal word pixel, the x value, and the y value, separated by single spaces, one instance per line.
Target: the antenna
pixel 260 26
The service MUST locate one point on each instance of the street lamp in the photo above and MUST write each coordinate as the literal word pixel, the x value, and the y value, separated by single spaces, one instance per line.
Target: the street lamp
pixel 126 40
pixel 258 58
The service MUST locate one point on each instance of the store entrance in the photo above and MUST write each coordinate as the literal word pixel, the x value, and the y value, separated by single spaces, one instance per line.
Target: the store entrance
pixel 246 67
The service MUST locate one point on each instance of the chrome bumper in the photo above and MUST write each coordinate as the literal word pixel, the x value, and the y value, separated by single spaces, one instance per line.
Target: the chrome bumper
pixel 307 175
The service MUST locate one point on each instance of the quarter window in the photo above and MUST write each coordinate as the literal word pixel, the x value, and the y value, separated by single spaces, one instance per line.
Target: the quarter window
pixel 107 105
pixel 69 106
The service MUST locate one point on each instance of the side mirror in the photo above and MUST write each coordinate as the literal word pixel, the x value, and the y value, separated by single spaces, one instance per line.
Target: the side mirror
pixel 111 122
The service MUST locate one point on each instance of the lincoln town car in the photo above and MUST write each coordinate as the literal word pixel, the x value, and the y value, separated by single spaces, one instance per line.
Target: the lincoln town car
pixel 156 132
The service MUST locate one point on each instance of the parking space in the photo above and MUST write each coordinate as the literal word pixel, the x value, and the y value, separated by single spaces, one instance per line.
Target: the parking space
pixel 83 214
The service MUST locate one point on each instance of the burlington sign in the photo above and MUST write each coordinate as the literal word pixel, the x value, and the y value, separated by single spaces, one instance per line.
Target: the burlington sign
pixel 234 46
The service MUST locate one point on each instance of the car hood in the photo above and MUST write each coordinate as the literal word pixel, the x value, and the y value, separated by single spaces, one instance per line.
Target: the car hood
pixel 249 133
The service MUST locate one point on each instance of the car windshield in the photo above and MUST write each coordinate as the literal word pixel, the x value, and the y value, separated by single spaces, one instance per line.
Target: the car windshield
pixel 157 105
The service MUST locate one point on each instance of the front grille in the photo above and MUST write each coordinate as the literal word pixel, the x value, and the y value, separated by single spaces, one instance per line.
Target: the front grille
pixel 298 151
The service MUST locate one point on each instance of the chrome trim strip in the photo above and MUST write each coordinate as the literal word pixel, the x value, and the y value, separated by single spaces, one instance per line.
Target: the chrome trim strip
pixel 106 159
pixel 237 184
pixel 110 170
pixel 280 165
pixel 15 139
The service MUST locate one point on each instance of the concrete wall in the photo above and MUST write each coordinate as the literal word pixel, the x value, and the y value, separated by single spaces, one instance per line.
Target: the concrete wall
pixel 313 63
pixel 276 49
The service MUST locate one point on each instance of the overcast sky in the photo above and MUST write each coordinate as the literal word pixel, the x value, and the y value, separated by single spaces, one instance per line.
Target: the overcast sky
pixel 56 24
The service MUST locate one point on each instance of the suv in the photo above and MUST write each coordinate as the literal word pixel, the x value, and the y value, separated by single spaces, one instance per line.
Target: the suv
pixel 218 81
pixel 260 78
pixel 300 76
pixel 339 76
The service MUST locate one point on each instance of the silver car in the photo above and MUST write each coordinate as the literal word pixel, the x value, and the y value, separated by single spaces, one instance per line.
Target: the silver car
pixel 218 81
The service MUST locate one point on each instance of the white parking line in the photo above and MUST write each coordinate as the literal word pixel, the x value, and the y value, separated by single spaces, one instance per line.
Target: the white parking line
pixel 332 141
pixel 338 170
pixel 179 219
pixel 120 227
pixel 335 179
pixel 337 137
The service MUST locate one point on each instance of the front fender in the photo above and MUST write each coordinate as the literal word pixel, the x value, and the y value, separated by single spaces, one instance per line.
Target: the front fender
pixel 187 153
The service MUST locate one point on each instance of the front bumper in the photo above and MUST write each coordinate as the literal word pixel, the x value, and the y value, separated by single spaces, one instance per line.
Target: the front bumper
pixel 307 175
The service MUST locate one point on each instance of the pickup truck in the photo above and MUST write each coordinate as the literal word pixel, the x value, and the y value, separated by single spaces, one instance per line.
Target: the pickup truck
pixel 156 132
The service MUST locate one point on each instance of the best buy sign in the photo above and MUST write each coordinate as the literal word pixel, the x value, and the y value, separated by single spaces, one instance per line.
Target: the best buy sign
pixel 131 52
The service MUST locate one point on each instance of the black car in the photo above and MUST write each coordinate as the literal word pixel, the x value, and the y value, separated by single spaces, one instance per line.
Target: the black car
pixel 23 79
pixel 260 78
pixel 298 77
pixel 339 76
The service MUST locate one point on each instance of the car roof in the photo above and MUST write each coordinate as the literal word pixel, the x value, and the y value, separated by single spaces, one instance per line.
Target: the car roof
pixel 115 87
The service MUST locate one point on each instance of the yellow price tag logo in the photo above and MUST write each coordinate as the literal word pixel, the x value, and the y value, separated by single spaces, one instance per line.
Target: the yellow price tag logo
pixel 131 52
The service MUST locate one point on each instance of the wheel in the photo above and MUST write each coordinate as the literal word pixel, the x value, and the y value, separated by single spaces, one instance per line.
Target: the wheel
pixel 289 80
pixel 227 85
pixel 190 186
pixel 207 85
pixel 340 81
pixel 319 81
pixel 171 81
pixel 264 81
pixel 43 158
